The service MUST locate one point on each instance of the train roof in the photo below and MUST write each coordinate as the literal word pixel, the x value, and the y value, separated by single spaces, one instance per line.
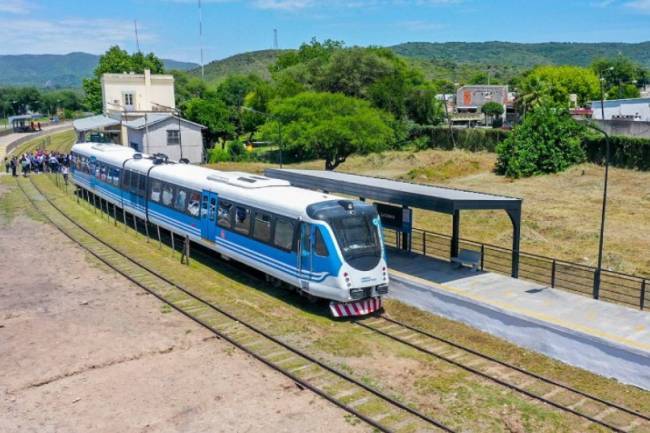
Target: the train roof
pixel 254 190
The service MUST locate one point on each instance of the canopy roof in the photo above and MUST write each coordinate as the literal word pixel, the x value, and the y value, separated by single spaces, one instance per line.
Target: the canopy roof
pixel 94 122
pixel 436 198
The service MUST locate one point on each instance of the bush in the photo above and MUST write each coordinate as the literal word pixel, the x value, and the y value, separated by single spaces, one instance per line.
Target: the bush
pixel 548 141
pixel 218 154
pixel 472 139
pixel 625 152
pixel 237 150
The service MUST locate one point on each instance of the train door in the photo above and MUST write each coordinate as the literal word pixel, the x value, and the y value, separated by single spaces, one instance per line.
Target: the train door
pixel 208 215
pixel 304 255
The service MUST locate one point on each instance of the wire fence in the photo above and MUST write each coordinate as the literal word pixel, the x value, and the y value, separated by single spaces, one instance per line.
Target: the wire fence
pixel 614 286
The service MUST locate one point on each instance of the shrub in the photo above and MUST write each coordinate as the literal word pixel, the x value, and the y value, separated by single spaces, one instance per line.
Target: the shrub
pixel 472 139
pixel 625 152
pixel 548 141
pixel 218 154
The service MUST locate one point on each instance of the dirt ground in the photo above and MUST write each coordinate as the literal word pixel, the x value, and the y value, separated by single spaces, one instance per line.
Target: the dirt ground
pixel 84 350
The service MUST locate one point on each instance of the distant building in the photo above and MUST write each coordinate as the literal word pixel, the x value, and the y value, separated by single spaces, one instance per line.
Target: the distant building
pixel 472 97
pixel 636 109
pixel 167 134
pixel 130 93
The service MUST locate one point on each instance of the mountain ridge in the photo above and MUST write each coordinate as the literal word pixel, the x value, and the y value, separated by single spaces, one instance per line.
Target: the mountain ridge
pixel 57 70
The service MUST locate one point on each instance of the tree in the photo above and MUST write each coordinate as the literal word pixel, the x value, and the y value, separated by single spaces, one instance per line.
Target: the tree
pixel 622 77
pixel 423 108
pixel 492 109
pixel 211 113
pixel 547 141
pixel 187 86
pixel 117 60
pixel 558 82
pixel 329 126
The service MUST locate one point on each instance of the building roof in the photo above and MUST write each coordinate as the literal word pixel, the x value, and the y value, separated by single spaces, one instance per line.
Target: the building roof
pixel 10 119
pixel 151 119
pixel 436 198
pixel 94 122
pixel 617 102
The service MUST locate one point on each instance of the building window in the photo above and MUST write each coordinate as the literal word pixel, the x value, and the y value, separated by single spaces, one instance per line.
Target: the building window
pixel 128 99
pixel 173 137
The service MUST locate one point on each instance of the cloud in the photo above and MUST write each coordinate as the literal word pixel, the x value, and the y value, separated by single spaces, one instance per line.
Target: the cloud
pixel 66 35
pixel 285 5
pixel 639 5
pixel 15 6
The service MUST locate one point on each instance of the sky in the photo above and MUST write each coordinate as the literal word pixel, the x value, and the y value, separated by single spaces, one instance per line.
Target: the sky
pixel 170 29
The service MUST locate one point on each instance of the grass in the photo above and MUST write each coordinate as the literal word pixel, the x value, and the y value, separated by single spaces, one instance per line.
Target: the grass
pixel 561 212
pixel 460 400
pixel 59 142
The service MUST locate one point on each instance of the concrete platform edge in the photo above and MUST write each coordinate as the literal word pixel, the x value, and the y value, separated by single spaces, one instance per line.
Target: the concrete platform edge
pixel 627 364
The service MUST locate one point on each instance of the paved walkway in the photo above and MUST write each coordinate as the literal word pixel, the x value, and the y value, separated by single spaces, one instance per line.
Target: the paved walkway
pixel 6 140
pixel 608 339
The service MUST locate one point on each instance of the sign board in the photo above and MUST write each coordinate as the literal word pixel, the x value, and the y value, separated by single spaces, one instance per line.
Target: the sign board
pixel 395 217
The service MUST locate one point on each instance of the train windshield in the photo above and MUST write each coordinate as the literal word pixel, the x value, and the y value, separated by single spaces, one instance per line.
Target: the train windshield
pixel 358 238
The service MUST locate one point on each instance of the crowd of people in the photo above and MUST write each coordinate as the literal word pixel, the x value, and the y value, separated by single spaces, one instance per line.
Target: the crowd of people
pixel 40 161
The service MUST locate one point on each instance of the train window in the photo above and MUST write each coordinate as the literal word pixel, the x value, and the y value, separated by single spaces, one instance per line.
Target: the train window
pixel 223 214
pixel 180 199
pixel 126 179
pixel 156 188
pixel 116 176
pixel 262 227
pixel 320 247
pixel 133 186
pixel 194 203
pixel 242 220
pixel 142 186
pixel 283 236
pixel 167 194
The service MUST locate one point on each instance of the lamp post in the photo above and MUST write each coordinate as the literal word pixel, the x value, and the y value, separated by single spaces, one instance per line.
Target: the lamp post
pixel 599 267
pixel 270 116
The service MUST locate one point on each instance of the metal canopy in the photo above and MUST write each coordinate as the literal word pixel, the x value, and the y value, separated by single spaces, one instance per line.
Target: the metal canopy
pixel 94 122
pixel 439 199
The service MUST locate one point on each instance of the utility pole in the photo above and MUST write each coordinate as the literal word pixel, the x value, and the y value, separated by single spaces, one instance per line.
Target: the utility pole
pixel 597 279
pixel 201 39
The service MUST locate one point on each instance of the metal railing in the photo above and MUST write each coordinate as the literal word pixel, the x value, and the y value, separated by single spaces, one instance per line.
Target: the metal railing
pixel 617 287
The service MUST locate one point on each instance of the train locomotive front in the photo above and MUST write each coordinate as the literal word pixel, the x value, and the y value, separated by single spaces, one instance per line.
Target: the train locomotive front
pixel 360 276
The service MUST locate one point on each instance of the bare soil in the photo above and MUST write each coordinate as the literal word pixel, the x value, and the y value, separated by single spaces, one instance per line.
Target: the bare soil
pixel 84 350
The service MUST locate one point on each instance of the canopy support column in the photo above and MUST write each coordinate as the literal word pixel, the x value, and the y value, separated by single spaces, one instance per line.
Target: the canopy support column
pixel 455 234
pixel 515 217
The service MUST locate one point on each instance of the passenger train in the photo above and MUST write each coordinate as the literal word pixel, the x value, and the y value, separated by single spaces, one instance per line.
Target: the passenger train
pixel 322 245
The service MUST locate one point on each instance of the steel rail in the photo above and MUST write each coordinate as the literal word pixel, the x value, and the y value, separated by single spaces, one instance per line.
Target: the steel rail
pixel 502 382
pixel 299 381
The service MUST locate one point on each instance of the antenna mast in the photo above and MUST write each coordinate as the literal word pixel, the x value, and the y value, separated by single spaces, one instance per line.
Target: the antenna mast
pixel 201 38
pixel 137 39
pixel 275 39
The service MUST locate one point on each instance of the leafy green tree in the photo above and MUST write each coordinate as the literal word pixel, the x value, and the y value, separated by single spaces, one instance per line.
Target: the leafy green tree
pixel 423 108
pixel 187 86
pixel 117 60
pixel 558 82
pixel 212 113
pixel 329 126
pixel 623 91
pixel 493 110
pixel 312 52
pixel 547 141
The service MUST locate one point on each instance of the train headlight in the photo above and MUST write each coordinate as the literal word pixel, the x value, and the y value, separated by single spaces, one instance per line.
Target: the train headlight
pixel 382 289
pixel 356 293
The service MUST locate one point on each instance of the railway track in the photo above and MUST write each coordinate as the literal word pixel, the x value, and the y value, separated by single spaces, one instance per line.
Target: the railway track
pixel 368 404
pixel 548 391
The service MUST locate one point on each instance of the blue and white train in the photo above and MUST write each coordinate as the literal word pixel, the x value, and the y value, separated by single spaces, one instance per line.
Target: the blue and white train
pixel 322 245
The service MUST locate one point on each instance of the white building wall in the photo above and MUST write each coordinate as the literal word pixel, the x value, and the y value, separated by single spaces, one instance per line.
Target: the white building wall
pixel 156 140
pixel 633 109
pixel 147 90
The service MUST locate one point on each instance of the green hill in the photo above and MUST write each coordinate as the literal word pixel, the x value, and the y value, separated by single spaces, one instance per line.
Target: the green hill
pixel 56 70
pixel 256 62
pixel 524 55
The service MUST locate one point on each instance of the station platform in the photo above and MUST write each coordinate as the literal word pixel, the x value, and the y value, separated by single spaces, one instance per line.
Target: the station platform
pixel 607 339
